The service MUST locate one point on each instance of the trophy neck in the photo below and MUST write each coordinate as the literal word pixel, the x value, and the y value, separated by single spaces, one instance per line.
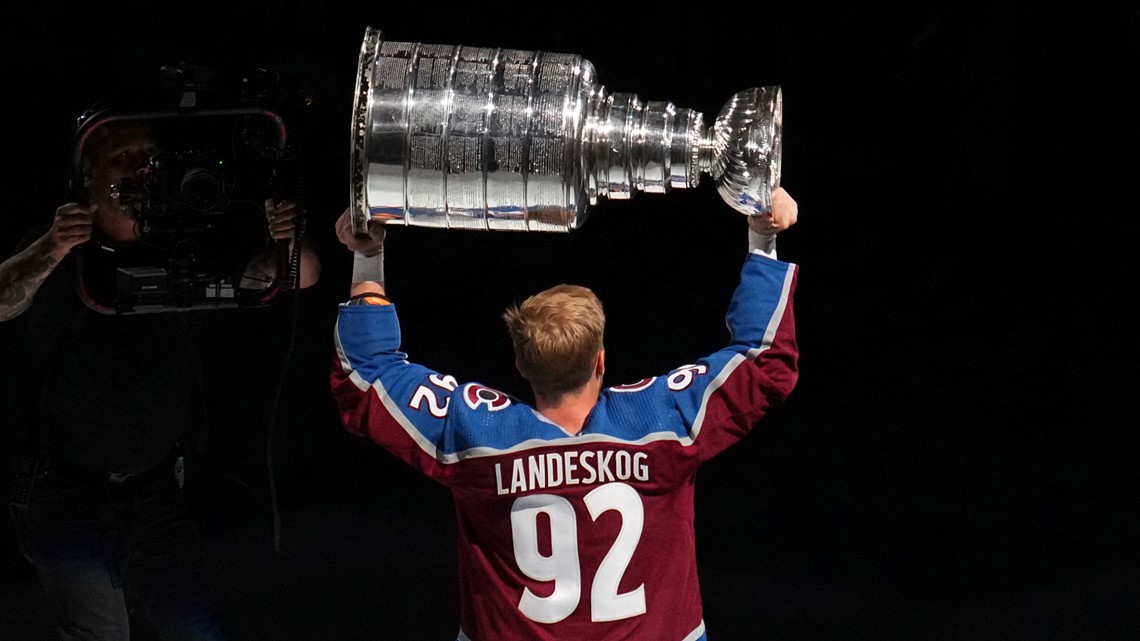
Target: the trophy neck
pixel 655 147
pixel 706 154
pixel 635 146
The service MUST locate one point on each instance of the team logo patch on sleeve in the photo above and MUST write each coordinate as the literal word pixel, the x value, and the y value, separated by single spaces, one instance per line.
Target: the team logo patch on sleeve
pixel 494 400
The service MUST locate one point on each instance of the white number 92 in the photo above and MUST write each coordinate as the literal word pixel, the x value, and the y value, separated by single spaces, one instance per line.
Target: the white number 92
pixel 562 565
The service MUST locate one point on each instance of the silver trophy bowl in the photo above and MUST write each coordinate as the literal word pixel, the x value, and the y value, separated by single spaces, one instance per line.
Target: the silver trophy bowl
pixel 484 138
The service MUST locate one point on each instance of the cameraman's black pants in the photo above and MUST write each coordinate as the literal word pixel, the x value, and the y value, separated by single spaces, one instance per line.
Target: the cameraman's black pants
pixel 101 541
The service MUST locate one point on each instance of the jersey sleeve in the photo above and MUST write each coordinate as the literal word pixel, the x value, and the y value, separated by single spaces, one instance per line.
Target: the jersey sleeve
pixel 721 397
pixel 382 396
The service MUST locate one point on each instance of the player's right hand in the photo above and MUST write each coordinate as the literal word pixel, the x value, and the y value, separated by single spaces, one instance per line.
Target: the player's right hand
pixel 369 245
pixel 71 226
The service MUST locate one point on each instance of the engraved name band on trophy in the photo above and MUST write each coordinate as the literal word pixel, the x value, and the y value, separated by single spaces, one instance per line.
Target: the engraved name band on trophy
pixel 503 139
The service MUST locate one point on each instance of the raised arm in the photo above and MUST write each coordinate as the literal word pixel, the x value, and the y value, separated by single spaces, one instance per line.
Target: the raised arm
pixel 721 397
pixel 22 274
pixel 380 395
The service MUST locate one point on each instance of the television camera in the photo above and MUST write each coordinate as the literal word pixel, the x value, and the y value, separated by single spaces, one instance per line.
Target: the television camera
pixel 197 203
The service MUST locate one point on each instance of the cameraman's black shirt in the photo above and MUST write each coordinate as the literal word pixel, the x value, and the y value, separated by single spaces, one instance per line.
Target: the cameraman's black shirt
pixel 116 392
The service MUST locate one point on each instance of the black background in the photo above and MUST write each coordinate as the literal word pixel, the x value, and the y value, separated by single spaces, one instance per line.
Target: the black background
pixel 954 462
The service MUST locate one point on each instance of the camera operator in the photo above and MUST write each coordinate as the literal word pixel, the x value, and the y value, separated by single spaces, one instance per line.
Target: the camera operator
pixel 100 508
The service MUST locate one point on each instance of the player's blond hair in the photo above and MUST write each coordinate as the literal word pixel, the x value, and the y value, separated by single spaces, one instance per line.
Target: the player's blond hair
pixel 557 334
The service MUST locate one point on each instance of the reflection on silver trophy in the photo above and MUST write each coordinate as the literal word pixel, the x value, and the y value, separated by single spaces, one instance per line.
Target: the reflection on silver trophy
pixel 502 139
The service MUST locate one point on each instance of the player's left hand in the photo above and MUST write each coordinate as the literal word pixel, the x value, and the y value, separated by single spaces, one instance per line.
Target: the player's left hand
pixel 784 214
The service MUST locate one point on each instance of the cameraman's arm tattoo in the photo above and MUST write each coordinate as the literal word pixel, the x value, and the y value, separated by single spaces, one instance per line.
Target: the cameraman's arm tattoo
pixel 20 278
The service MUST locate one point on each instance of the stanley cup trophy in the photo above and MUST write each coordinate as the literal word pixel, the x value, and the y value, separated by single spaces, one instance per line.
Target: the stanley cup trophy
pixel 501 139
